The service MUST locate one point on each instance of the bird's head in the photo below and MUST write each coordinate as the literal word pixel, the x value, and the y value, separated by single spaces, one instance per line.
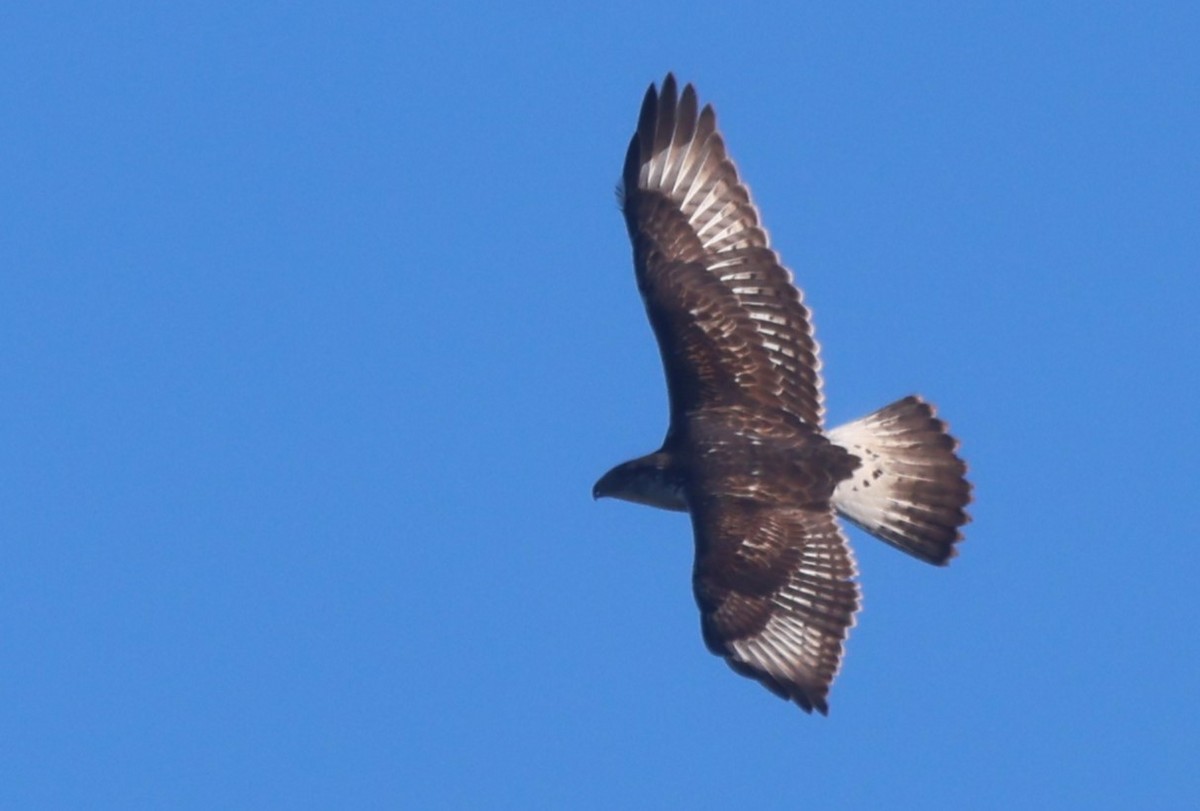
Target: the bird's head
pixel 646 480
pixel 614 483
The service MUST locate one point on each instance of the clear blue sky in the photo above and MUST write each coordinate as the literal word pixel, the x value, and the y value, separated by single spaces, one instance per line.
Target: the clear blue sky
pixel 318 323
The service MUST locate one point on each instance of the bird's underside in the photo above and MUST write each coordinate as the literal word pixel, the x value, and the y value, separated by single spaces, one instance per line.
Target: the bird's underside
pixel 746 454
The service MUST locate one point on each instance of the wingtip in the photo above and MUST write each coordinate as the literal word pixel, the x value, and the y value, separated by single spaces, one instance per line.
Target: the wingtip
pixel 811 701
pixel 649 102
pixel 669 85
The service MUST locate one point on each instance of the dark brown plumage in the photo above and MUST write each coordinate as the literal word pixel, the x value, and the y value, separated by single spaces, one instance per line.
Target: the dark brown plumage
pixel 745 453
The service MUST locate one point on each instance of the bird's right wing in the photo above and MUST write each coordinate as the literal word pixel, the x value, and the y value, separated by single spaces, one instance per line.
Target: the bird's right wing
pixel 776 593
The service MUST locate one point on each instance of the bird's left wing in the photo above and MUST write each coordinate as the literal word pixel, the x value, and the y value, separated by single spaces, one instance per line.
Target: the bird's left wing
pixel 705 268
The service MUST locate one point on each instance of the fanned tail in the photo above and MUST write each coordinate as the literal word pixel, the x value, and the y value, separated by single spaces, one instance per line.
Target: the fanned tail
pixel 911 488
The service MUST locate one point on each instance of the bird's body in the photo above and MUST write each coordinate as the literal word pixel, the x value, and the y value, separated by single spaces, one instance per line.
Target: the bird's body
pixel 746 453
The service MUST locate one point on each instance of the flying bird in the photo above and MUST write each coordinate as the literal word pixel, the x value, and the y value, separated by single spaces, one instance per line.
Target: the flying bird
pixel 746 453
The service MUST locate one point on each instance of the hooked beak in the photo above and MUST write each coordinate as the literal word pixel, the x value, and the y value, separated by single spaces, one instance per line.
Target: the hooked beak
pixel 603 486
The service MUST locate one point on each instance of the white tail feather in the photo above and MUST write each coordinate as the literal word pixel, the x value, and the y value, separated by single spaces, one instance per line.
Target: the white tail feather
pixel 910 488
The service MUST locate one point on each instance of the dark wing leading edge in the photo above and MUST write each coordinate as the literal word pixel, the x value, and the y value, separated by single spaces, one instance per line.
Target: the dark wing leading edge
pixel 776 593
pixel 728 319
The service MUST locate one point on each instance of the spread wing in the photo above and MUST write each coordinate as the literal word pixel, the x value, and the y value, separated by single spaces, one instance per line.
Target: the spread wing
pixel 776 593
pixel 729 322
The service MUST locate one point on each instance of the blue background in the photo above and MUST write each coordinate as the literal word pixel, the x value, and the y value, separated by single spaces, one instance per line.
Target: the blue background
pixel 317 323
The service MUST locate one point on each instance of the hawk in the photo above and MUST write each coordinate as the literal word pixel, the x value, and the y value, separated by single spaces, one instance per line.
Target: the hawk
pixel 745 453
